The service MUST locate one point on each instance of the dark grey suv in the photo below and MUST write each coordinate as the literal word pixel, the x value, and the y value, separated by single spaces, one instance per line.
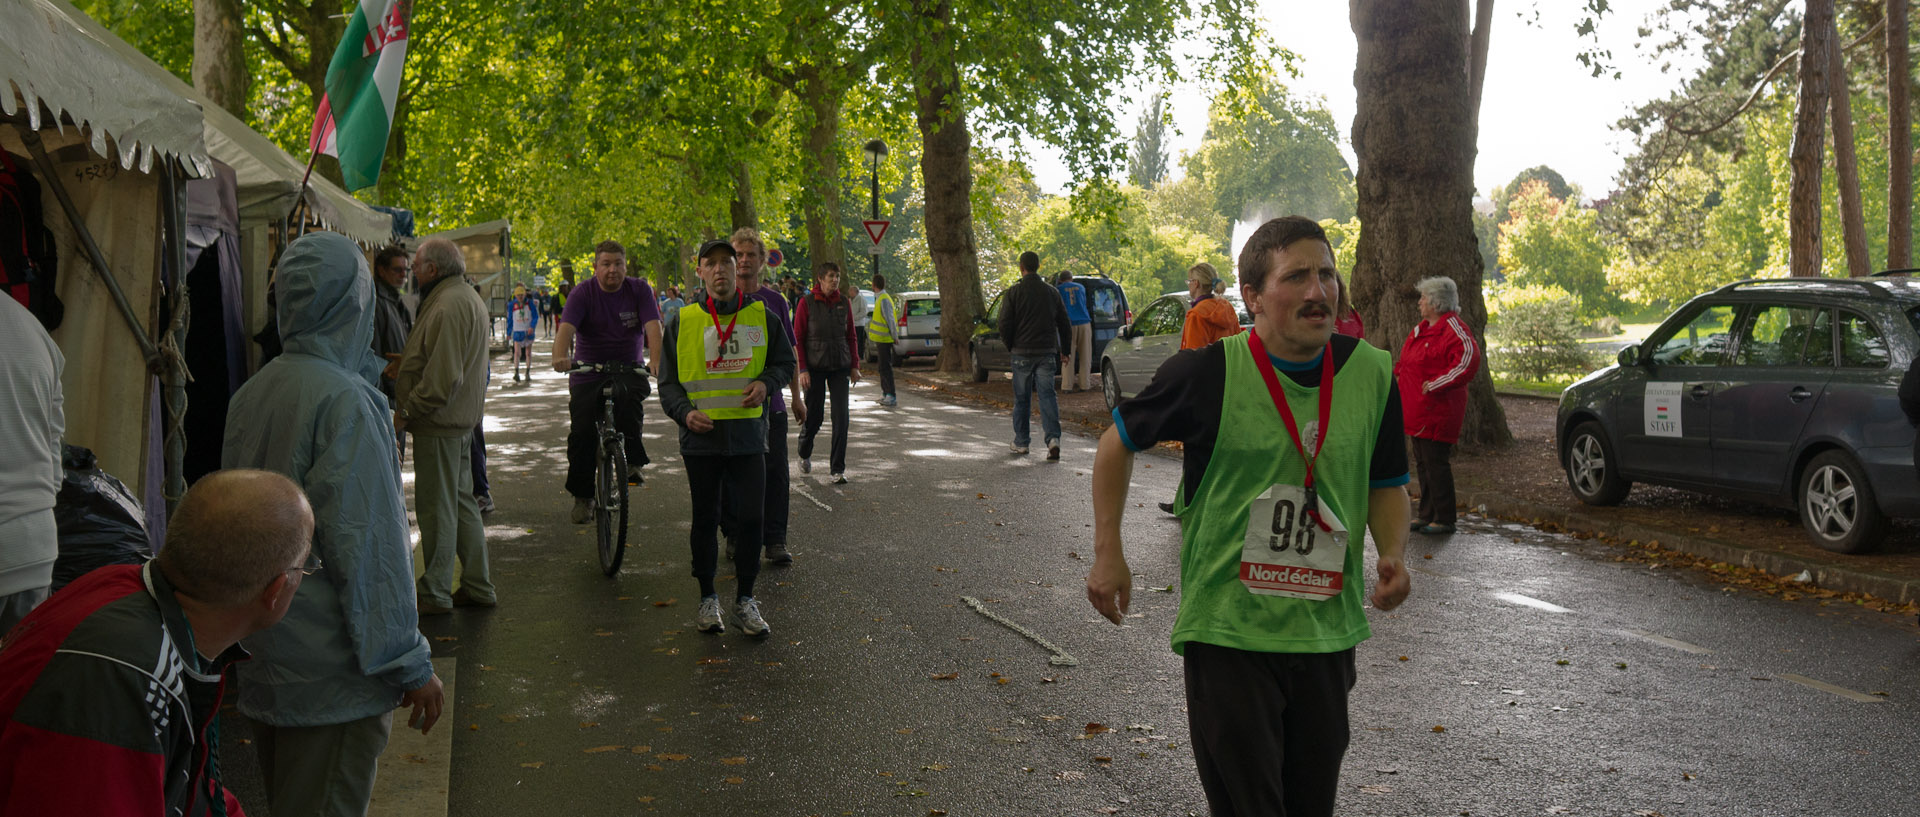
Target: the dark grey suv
pixel 1782 391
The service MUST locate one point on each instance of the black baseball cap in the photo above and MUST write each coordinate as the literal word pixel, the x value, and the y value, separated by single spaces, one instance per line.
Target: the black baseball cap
pixel 712 244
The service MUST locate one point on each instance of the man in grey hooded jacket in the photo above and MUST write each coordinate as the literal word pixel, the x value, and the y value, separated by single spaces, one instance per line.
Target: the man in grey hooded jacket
pixel 323 684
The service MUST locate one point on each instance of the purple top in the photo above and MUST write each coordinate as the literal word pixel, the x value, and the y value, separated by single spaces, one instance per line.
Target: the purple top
pixel 776 304
pixel 608 326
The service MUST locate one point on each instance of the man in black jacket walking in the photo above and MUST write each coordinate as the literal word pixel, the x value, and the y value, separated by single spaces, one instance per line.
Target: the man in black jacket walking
pixel 1033 323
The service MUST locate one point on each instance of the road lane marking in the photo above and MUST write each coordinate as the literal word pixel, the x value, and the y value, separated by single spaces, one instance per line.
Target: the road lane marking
pixel 1060 657
pixel 1675 643
pixel 1529 601
pixel 810 498
pixel 1826 687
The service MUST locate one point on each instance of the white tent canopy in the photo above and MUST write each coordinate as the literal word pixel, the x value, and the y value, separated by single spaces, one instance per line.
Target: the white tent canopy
pixel 56 56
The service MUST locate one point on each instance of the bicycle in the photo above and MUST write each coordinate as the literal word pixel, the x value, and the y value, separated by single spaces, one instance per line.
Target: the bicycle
pixel 610 470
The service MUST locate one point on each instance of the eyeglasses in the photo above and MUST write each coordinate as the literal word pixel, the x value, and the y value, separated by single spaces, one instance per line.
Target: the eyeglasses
pixel 310 567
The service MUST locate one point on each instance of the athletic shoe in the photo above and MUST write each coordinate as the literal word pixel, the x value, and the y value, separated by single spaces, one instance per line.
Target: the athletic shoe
pixel 1053 452
pixel 1437 529
pixel 806 465
pixel 428 608
pixel 516 377
pixel 839 479
pixel 634 477
pixel 582 511
pixel 777 553
pixel 1017 448
pixel 1166 507
pixel 485 501
pixel 463 599
pixel 708 619
pixel 748 611
pixel 1416 525
pixel 889 400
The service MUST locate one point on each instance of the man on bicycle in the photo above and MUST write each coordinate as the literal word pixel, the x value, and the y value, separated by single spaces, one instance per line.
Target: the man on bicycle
pixel 607 318
pixel 726 356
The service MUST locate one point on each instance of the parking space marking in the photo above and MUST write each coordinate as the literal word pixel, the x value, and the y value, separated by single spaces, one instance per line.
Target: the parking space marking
pixel 1529 601
pixel 1826 687
pixel 1675 643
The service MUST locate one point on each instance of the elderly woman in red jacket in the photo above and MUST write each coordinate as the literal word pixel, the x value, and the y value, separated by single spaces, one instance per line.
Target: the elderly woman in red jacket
pixel 1436 363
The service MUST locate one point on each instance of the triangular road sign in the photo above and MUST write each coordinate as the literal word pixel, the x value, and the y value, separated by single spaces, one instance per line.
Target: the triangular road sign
pixel 876 229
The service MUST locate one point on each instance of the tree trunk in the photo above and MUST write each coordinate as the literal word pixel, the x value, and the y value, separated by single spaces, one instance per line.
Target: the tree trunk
pixel 1809 137
pixel 946 165
pixel 741 209
pixel 1853 224
pixel 821 202
pixel 1899 140
pixel 1414 137
pixel 219 55
pixel 1477 69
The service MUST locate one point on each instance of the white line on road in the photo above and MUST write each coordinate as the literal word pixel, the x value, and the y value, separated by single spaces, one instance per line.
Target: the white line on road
pixel 1529 601
pixel 1826 687
pixel 1675 643
pixel 810 498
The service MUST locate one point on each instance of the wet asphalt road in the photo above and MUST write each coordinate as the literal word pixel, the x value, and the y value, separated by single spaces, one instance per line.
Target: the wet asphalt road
pixel 1528 673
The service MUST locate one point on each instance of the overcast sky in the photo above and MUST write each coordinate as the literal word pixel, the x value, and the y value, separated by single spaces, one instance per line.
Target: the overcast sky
pixel 1541 106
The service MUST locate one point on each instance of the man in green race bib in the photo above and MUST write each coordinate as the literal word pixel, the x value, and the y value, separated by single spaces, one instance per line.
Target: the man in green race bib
pixel 1292 440
pixel 724 357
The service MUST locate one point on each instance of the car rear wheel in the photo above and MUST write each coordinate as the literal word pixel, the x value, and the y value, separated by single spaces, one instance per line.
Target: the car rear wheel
pixel 979 368
pixel 1109 384
pixel 1837 505
pixel 1592 471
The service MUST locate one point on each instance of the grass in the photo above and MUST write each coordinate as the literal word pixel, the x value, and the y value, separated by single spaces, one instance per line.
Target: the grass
pixel 1531 388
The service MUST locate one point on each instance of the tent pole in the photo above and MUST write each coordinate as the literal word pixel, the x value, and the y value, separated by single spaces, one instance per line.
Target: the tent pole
pixel 80 231
pixel 174 373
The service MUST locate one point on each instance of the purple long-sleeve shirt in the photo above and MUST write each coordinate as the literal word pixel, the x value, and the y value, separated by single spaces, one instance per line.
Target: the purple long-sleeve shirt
pixel 777 306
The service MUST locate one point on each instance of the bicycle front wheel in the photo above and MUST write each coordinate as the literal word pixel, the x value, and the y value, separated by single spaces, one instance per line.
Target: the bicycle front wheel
pixel 610 507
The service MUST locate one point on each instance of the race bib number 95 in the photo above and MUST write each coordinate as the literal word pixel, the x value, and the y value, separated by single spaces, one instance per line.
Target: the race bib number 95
pixel 1286 554
pixel 733 356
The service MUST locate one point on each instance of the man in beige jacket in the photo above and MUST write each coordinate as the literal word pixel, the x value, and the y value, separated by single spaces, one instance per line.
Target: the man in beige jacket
pixel 439 394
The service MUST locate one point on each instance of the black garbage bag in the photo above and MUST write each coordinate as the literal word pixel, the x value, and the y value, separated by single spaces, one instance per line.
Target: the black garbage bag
pixel 100 522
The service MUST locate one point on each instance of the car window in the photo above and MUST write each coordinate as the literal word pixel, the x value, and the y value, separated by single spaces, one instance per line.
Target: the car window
pixel 1172 315
pixel 1777 335
pixel 921 307
pixel 1106 304
pixel 993 309
pixel 1819 351
pixel 1861 345
pixel 1701 341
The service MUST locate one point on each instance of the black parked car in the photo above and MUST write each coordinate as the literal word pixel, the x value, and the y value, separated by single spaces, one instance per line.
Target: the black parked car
pixel 1108 305
pixel 1782 391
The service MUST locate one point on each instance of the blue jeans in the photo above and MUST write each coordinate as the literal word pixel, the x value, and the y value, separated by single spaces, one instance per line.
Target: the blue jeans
pixel 1035 373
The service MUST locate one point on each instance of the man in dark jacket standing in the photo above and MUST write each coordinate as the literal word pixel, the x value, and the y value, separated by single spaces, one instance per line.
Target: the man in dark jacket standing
pixel 716 370
pixel 829 357
pixel 392 322
pixel 1033 324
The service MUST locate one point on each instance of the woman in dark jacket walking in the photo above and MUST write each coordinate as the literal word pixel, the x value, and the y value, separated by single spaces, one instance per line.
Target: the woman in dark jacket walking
pixel 1436 363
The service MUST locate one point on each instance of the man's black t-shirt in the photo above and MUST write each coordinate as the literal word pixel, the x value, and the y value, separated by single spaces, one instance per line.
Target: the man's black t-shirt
pixel 1184 400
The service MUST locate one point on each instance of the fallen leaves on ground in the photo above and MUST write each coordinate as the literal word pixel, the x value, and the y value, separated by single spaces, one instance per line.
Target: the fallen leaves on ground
pixel 711 660
pixel 666 603
pixel 734 780
pixel 950 676
pixel 598 749
pixel 1438 728
pixel 533 765
pixel 934 767
pixel 641 750
pixel 589 724
pixel 733 761
pixel 672 757
pixel 1098 728
pixel 446 638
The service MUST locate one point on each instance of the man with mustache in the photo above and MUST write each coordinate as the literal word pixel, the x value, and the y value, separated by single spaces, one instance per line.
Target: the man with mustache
pixel 1292 439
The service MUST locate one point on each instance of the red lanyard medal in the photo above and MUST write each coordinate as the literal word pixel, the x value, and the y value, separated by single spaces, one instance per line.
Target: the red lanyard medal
pixel 740 301
pixel 1265 365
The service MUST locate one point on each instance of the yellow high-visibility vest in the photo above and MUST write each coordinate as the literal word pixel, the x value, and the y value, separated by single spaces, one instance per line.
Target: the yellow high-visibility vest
pixel 880 325
pixel 714 375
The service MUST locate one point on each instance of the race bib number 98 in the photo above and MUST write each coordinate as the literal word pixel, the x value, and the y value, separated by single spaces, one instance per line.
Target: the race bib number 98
pixel 733 356
pixel 1286 554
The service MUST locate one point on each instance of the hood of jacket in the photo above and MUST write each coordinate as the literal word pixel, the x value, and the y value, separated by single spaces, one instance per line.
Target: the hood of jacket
pixel 325 308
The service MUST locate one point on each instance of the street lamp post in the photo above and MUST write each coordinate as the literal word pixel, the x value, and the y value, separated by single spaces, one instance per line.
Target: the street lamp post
pixel 874 150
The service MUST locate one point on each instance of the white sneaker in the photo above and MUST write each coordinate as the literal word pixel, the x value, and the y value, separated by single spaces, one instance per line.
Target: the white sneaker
pixel 582 511
pixel 748 611
pixel 708 619
pixel 1017 448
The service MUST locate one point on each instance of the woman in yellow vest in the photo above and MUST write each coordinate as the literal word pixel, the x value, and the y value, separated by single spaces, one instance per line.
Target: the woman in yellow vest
pixel 717 369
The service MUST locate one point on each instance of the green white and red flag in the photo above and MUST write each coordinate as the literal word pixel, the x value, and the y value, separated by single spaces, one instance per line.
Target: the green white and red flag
pixel 363 83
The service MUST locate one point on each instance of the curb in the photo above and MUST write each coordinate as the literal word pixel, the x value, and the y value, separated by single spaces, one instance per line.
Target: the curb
pixel 1826 575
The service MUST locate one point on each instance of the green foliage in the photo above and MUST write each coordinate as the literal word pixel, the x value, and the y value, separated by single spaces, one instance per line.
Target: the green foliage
pixel 1556 243
pixel 1147 165
pixel 1556 185
pixel 1533 334
pixel 1267 153
pixel 1146 257
pixel 1345 238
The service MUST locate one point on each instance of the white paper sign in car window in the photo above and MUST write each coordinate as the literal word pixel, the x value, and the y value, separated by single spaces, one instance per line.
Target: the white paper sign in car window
pixel 1663 409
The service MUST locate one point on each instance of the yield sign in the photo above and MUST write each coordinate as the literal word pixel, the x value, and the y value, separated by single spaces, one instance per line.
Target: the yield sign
pixel 876 229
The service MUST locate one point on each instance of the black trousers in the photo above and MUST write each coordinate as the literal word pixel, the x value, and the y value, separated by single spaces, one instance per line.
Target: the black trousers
pixel 1269 730
pixel 479 456
pixel 773 511
pixel 583 410
pixel 884 353
pixel 818 382
pixel 1433 463
pixel 725 488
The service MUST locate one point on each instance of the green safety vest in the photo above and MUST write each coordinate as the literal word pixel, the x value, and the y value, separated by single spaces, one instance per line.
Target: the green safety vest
pixel 1252 453
pixel 879 328
pixel 716 387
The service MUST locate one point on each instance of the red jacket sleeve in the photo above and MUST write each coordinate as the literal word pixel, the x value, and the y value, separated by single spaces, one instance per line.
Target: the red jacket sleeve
pixel 800 333
pixel 51 773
